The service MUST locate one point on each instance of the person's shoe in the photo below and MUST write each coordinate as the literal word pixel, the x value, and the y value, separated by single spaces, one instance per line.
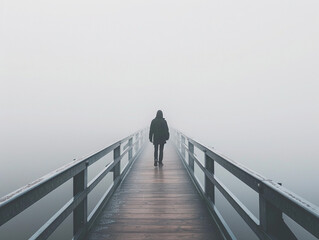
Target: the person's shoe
pixel 155 163
pixel 161 164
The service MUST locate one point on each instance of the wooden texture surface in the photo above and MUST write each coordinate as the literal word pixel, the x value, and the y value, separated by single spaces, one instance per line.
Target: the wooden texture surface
pixel 156 203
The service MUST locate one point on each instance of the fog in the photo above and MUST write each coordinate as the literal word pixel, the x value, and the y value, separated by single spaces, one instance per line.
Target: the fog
pixel 239 76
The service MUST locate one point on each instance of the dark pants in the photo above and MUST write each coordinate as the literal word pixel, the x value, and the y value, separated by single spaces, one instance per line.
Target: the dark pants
pixel 161 147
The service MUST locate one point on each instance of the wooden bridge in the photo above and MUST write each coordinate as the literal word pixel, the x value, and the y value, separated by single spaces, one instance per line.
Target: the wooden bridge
pixel 169 202
pixel 156 203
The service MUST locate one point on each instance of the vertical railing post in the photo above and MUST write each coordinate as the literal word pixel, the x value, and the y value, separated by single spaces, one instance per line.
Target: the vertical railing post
pixel 271 220
pixel 268 214
pixel 141 138
pixel 209 186
pixel 80 212
pixel 190 155
pixel 183 147
pixel 117 167
pixel 130 152
pixel 136 143
pixel 177 140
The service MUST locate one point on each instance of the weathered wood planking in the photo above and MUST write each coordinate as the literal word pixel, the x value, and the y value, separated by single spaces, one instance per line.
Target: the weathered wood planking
pixel 156 203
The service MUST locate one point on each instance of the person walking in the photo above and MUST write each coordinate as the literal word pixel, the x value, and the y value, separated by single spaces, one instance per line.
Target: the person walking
pixel 158 135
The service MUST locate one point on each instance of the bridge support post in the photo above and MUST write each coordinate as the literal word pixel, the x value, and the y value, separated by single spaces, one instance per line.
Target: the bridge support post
pixel 176 139
pixel 137 145
pixel 190 155
pixel 183 147
pixel 130 152
pixel 209 186
pixel 271 220
pixel 117 167
pixel 80 212
pixel 142 138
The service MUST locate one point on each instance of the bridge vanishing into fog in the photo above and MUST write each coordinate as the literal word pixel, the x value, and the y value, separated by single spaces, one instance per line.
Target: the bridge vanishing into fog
pixel 169 202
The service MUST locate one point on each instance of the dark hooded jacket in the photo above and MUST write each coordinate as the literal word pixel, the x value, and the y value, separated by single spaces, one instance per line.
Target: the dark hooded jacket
pixel 159 130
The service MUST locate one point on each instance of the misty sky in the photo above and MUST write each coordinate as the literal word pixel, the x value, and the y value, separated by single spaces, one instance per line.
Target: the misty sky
pixel 241 76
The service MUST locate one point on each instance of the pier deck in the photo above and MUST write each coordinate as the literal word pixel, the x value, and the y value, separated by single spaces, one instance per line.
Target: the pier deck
pixel 156 203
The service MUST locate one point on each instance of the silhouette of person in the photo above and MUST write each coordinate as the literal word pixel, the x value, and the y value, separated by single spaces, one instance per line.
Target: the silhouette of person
pixel 158 135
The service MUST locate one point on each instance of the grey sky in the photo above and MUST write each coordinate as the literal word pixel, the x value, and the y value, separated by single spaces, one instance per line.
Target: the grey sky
pixel 239 75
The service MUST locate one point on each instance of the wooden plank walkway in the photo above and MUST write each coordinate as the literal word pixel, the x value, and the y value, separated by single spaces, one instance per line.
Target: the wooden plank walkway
pixel 156 203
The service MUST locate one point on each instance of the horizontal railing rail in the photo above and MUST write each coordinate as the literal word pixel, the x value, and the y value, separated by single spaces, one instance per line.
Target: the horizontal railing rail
pixel 19 200
pixel 274 199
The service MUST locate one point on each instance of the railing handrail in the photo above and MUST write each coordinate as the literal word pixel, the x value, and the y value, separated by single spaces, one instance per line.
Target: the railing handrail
pixel 272 184
pixel 274 199
pixel 91 158
pixel 16 202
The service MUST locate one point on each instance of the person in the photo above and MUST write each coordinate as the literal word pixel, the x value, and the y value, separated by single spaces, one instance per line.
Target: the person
pixel 158 135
